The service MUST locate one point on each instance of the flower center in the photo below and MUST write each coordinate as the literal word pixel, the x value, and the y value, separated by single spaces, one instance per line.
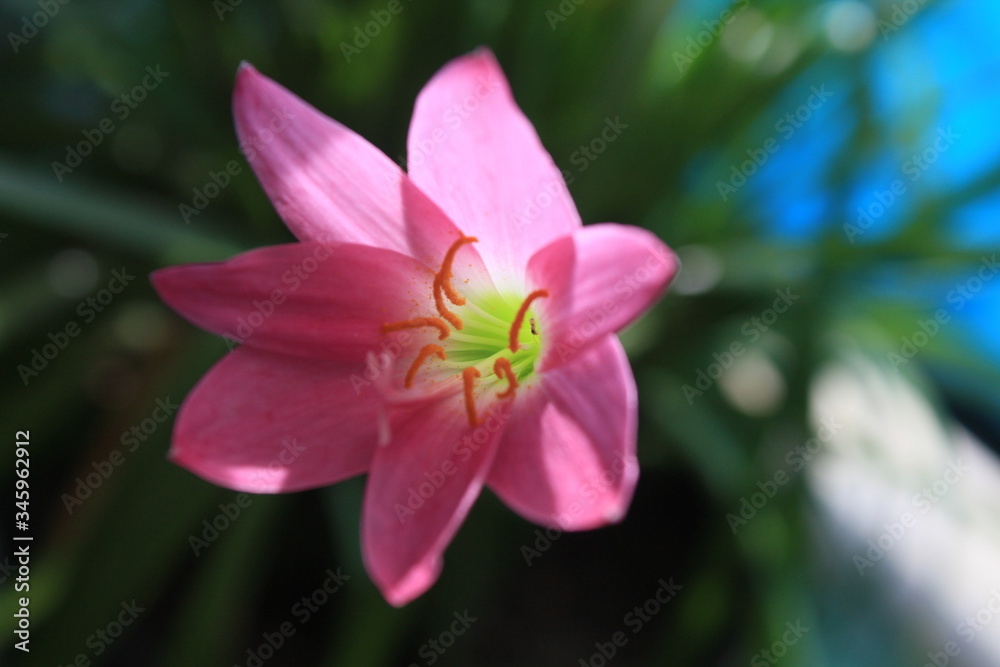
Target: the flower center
pixel 492 340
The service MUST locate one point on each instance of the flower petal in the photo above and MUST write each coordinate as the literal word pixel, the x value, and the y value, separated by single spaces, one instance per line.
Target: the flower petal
pixel 567 458
pixel 471 149
pixel 266 423
pixel 301 299
pixel 327 182
pixel 599 279
pixel 420 488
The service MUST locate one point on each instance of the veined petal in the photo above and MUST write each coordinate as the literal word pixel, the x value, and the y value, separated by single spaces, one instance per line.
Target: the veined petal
pixel 301 299
pixel 471 149
pixel 599 279
pixel 328 183
pixel 266 423
pixel 419 490
pixel 567 458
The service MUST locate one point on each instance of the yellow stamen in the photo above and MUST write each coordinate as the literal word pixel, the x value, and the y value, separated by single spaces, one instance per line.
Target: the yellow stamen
pixel 503 370
pixel 515 327
pixel 469 376
pixel 425 351
pixel 416 323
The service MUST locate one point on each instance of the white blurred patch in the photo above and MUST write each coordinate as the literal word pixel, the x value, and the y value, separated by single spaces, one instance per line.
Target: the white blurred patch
pixel 916 498
pixel 749 36
pixel 849 25
pixel 701 270
pixel 754 384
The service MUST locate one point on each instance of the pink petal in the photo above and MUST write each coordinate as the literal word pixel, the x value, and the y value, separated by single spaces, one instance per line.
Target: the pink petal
pixel 599 279
pixel 326 182
pixel 567 458
pixel 420 488
pixel 302 299
pixel 265 423
pixel 471 149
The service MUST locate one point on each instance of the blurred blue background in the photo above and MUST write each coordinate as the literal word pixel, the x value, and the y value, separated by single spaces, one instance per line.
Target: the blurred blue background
pixel 818 391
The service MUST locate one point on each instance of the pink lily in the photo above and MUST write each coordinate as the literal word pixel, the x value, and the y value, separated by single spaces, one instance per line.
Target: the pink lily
pixel 440 330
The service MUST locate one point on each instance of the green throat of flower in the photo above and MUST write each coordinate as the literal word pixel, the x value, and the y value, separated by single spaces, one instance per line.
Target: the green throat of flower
pixel 493 339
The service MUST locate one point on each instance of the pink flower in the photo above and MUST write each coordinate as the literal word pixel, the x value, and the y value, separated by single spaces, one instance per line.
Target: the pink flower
pixel 438 330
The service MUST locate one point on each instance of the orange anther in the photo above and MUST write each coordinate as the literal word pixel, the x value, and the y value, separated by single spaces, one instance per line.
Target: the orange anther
pixel 503 370
pixel 435 322
pixel 515 327
pixel 442 309
pixel 469 376
pixel 443 286
pixel 444 276
pixel 425 351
